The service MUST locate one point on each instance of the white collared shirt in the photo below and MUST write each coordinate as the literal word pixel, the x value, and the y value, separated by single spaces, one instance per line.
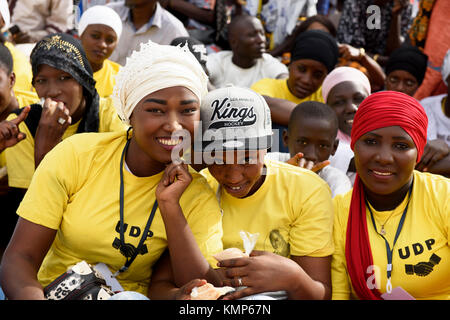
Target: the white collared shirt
pixel 162 28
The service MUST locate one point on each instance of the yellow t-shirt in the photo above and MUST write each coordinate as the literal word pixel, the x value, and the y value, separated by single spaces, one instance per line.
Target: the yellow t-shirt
pixel 106 78
pixel 292 212
pixel 424 237
pixel 20 158
pixel 278 88
pixel 81 201
pixel 26 98
pixel 21 68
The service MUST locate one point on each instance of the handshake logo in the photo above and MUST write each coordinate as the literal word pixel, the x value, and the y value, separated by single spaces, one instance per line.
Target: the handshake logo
pixel 423 269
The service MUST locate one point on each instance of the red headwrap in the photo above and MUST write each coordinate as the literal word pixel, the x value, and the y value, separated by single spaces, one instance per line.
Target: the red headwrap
pixel 379 110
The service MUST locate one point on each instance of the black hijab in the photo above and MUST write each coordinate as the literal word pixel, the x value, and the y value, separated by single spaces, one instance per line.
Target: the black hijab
pixel 64 52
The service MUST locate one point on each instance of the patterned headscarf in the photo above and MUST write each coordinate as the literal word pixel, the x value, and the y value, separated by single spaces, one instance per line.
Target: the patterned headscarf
pixel 64 52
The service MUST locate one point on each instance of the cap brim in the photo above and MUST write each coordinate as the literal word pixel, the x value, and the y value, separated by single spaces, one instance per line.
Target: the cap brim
pixel 260 143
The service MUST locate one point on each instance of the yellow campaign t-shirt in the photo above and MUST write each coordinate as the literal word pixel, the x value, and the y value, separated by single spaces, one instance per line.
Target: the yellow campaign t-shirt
pixel 21 68
pixel 20 158
pixel 278 88
pixel 106 78
pixel 26 98
pixel 75 191
pixel 292 212
pixel 421 256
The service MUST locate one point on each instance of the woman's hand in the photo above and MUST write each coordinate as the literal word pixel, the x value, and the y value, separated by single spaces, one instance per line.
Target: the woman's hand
pixel 434 151
pixel 55 119
pixel 299 161
pixel 184 293
pixel 257 272
pixel 175 180
pixel 10 134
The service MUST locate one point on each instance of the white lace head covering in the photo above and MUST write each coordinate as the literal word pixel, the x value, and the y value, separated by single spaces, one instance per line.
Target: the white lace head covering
pixel 100 15
pixel 155 67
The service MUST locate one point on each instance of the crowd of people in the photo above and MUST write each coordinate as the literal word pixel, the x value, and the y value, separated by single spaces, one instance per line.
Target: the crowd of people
pixel 149 137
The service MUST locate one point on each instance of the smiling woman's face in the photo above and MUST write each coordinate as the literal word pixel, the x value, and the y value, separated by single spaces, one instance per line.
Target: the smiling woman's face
pixel 159 119
pixel 345 98
pixel 385 159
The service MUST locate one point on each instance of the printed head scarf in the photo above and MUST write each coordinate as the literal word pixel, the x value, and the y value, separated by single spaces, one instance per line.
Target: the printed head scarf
pixel 379 110
pixel 316 45
pixel 100 15
pixel 342 74
pixel 408 58
pixel 155 67
pixel 64 52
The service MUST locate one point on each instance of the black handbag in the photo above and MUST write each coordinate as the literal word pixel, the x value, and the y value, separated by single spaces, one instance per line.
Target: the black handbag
pixel 81 282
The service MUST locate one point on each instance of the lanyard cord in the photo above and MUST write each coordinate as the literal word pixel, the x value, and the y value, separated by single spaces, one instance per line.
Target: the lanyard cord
pixel 126 247
pixel 388 248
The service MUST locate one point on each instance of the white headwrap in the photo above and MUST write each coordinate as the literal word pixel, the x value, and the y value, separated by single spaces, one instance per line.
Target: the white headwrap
pixel 445 69
pixel 342 74
pixel 155 67
pixel 4 11
pixel 100 15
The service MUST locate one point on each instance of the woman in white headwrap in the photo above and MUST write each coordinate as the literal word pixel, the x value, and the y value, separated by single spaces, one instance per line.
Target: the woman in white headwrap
pixel 99 29
pixel 343 90
pixel 101 189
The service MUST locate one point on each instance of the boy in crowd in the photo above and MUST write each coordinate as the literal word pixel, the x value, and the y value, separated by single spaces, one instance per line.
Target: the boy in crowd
pixel 311 140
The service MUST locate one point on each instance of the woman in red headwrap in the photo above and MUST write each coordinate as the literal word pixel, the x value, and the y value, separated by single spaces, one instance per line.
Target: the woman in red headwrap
pixel 392 231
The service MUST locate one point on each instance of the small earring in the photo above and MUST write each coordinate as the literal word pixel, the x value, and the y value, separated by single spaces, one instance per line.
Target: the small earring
pixel 128 131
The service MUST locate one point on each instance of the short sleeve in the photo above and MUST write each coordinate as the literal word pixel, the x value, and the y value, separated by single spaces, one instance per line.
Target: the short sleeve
pixel 311 232
pixel 20 159
pixel 56 177
pixel 204 218
pixel 109 119
pixel 339 277
pixel 275 68
pixel 214 68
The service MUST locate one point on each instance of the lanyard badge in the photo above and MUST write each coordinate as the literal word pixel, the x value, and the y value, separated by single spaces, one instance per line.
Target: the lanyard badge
pixel 389 251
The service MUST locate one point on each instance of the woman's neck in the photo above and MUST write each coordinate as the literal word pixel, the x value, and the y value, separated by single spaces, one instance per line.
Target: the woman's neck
pixel 78 114
pixel 385 202
pixel 142 14
pixel 96 66
pixel 140 164
pixel 13 105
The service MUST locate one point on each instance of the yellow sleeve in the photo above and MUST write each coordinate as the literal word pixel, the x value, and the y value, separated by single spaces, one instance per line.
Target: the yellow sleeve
pixel 21 68
pixel 312 231
pixel 26 98
pixel 109 119
pixel 264 87
pixel 105 78
pixel 339 277
pixel 204 218
pixel 20 159
pixel 58 172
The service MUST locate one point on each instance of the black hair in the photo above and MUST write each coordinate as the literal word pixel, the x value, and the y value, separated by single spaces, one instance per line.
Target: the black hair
pixel 235 21
pixel 320 19
pixel 6 60
pixel 313 110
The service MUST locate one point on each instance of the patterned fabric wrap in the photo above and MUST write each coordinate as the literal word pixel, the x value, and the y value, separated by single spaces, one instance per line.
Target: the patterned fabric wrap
pixel 81 282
